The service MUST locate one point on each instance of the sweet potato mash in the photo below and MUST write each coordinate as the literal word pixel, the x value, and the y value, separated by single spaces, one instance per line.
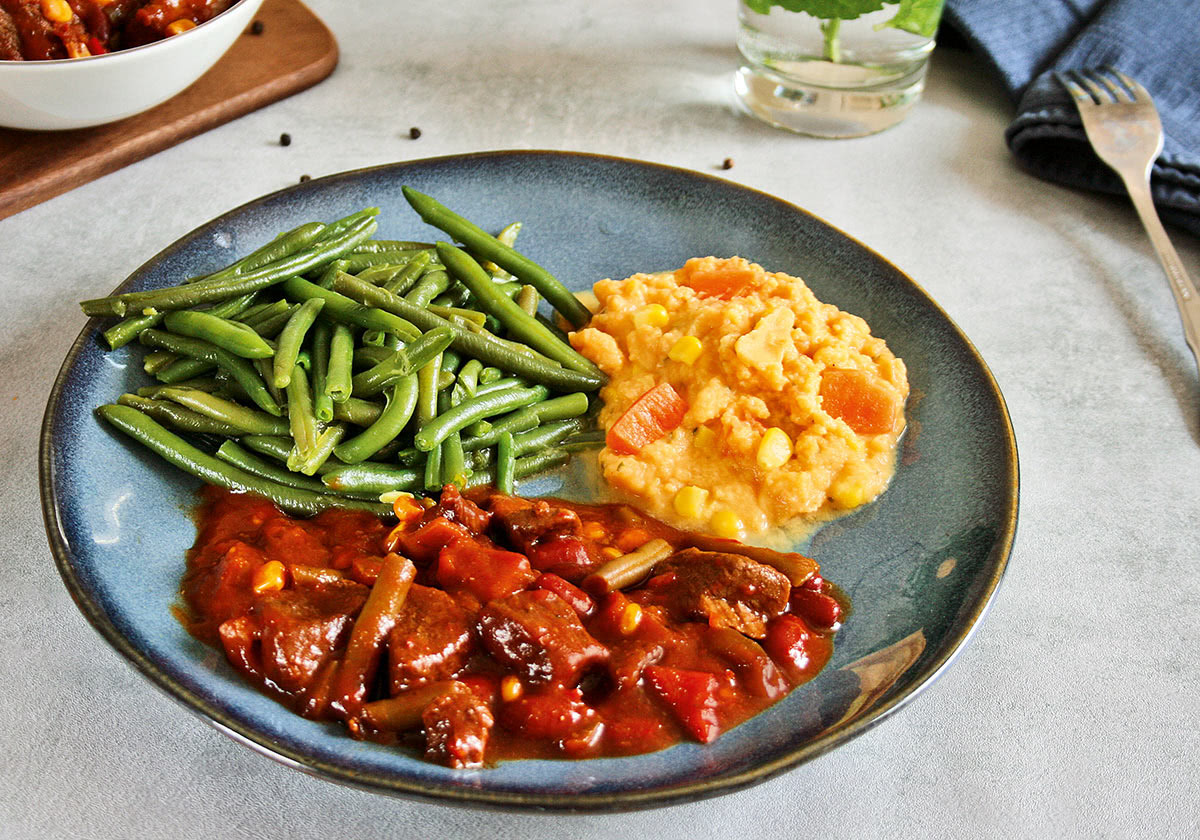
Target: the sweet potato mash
pixel 737 401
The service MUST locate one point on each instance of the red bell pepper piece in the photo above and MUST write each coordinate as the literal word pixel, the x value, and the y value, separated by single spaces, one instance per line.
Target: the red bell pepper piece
pixel 690 695
pixel 655 413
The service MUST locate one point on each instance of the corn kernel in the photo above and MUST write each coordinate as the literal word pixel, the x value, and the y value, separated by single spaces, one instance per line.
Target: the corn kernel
pixel 652 315
pixel 705 438
pixel 687 350
pixel 774 449
pixel 269 577
pixel 594 531
pixel 631 619
pixel 725 523
pixel 689 501
pixel 57 11
pixel 611 552
pixel 181 25
pixel 848 494
pixel 407 509
pixel 511 688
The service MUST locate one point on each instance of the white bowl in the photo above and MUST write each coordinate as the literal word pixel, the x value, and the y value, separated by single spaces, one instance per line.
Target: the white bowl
pixel 81 92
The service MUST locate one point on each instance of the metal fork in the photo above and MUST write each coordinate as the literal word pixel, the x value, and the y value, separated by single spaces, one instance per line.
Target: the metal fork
pixel 1123 127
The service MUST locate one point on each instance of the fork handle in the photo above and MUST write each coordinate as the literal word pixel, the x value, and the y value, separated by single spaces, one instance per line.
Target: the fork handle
pixel 1187 298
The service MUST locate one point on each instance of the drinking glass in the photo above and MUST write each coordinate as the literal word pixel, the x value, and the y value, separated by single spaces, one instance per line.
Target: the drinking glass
pixel 831 77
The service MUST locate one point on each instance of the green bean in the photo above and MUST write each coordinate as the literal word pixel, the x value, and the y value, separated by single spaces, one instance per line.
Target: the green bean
pixel 302 422
pixel 325 278
pixel 370 355
pixel 341 356
pixel 178 452
pixel 239 368
pixel 404 361
pixel 507 236
pixel 432 284
pixel 468 378
pixel 292 337
pixel 340 308
pixel 505 463
pixel 372 478
pixel 321 452
pixel 374 246
pixel 284 245
pixel 449 312
pixel 454 464
pixel 519 324
pixel 427 410
pixel 479 427
pixel 266 372
pixel 344 224
pixel 357 411
pixel 183 369
pixel 233 336
pixel 126 331
pixel 231 453
pixel 523 467
pixel 403 282
pixel 380 275
pixel 558 408
pixel 395 416
pixel 456 295
pixel 200 383
pixel 487 349
pixel 528 300
pixel 246 420
pixel 281 447
pixel 156 360
pixel 360 260
pixel 549 434
pixel 489 247
pixel 628 569
pixel 183 419
pixel 476 408
pixel 263 312
pixel 270 327
pixel 584 440
pixel 489 374
pixel 322 334
pixel 501 385
pixel 204 291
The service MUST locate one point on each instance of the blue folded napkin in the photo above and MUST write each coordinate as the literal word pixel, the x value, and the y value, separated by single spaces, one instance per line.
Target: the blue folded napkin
pixel 1156 42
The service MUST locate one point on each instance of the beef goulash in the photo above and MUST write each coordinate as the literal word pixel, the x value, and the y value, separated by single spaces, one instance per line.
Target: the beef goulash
pixel 488 627
pixel 39 30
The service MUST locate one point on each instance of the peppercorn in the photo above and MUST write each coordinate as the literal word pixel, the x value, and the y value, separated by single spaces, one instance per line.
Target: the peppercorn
pixel 304 178
pixel 257 28
pixel 285 139
pixel 727 163
pixel 414 132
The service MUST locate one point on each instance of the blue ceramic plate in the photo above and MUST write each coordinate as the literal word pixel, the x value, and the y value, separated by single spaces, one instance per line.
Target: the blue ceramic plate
pixel 920 565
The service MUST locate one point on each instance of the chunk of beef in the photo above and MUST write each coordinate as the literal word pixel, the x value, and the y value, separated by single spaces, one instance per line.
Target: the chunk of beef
pixel 727 590
pixel 452 505
pixel 423 544
pixel 550 536
pixel 298 631
pixel 538 635
pixel 520 523
pixel 457 727
pixel 431 639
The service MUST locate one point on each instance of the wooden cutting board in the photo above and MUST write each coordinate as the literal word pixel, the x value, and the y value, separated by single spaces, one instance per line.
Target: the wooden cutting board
pixel 294 51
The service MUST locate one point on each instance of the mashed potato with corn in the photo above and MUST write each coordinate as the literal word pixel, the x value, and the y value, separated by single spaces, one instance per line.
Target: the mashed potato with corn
pixel 737 401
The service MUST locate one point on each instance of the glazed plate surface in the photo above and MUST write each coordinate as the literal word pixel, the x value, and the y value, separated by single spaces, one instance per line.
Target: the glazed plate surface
pixel 920 565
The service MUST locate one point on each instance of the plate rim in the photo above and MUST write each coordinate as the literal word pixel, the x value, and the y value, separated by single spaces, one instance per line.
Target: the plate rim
pixel 502 799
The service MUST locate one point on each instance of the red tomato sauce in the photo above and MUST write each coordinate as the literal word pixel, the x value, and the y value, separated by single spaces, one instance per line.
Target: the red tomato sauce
pixel 483 628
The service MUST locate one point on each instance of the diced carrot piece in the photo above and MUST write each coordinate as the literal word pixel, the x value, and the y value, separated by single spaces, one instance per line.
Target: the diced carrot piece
pixel 691 696
pixel 655 413
pixel 869 406
pixel 715 278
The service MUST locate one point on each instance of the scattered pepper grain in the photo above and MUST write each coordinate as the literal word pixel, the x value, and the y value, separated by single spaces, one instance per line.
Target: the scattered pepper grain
pixel 414 132
pixel 285 139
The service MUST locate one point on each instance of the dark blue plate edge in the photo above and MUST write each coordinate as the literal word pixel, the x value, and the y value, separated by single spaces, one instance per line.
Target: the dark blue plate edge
pixel 575 802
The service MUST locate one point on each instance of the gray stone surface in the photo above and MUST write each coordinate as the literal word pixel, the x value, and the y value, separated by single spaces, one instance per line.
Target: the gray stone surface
pixel 1075 711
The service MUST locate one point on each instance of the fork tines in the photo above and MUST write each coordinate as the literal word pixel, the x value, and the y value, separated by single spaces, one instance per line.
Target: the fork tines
pixel 1101 88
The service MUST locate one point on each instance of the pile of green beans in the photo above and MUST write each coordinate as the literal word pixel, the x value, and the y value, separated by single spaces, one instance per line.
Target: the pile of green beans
pixel 335 369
